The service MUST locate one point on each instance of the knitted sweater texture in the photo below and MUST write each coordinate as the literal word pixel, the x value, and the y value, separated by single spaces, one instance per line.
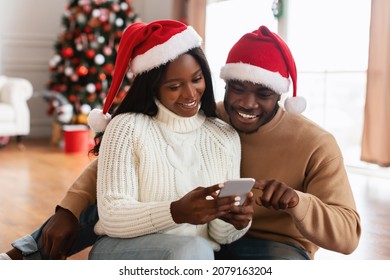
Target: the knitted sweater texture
pixel 145 163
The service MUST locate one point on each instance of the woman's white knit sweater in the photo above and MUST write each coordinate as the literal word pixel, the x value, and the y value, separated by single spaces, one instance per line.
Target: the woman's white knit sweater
pixel 145 163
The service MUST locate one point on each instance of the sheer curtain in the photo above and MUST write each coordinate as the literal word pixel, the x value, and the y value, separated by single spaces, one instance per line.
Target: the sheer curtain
pixel 376 131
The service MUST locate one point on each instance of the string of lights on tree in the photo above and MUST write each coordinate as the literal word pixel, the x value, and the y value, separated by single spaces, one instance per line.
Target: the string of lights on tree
pixel 81 67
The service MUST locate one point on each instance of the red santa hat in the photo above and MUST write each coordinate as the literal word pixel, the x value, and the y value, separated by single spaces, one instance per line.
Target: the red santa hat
pixel 144 47
pixel 262 57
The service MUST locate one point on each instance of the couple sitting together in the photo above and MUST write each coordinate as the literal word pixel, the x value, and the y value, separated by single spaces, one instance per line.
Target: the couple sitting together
pixel 163 156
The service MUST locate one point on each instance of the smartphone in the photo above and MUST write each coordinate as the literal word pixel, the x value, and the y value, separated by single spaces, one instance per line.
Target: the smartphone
pixel 237 187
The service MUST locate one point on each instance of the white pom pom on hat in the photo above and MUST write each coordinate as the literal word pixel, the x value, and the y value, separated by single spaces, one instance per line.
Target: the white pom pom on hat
pixel 144 46
pixel 97 120
pixel 295 105
pixel 262 57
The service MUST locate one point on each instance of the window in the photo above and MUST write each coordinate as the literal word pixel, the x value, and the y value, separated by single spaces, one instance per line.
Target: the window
pixel 329 40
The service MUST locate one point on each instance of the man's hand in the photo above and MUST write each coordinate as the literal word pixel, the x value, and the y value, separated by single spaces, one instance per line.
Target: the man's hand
pixel 59 234
pixel 276 195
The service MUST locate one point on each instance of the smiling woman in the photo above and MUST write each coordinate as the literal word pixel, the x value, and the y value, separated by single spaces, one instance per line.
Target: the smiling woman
pixel 182 94
pixel 167 130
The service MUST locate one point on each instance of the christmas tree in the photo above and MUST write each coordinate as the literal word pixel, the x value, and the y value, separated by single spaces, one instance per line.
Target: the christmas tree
pixel 82 65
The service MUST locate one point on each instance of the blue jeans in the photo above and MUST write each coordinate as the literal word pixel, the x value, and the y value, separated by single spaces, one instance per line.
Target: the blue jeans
pixel 30 246
pixel 244 248
pixel 248 248
pixel 144 247
pixel 157 246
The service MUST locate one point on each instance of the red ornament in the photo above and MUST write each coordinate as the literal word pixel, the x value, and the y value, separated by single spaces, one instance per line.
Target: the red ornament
pixel 102 76
pixel 67 52
pixel 98 86
pixel 87 29
pixel 91 37
pixel 107 27
pixel 90 53
pixel 121 94
pixel 118 34
pixel 82 70
pixel 92 70
pixel 72 98
pixel 60 88
pixel 87 9
pixel 108 68
pixel 75 61
pixel 119 97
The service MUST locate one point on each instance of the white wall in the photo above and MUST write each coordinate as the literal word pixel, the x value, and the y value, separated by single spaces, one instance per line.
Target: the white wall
pixel 150 10
pixel 28 31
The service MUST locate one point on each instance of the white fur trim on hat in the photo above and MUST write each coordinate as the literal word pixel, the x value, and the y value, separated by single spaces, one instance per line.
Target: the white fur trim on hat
pixel 246 72
pixel 295 105
pixel 98 121
pixel 168 51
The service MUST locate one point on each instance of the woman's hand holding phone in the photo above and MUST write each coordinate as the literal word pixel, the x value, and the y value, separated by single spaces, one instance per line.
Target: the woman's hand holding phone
pixel 240 215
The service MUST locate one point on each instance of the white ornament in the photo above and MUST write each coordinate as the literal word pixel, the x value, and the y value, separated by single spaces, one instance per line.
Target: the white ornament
pixel 99 59
pixel 81 18
pixel 85 109
pixel 68 71
pixel 64 113
pixel 91 88
pixel 119 22
pixel 101 39
pixel 124 6
pixel 54 60
pixel 96 13
pixel 94 45
pixel 79 47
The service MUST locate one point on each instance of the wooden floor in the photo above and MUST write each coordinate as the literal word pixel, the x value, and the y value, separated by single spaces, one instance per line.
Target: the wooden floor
pixel 34 180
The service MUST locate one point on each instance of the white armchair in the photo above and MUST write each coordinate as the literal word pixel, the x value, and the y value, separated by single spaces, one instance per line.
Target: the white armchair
pixel 14 111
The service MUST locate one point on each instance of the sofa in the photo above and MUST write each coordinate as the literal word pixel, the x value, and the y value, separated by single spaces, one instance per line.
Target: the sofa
pixel 14 111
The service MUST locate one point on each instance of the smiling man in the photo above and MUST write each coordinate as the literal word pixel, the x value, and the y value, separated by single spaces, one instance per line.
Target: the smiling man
pixel 303 197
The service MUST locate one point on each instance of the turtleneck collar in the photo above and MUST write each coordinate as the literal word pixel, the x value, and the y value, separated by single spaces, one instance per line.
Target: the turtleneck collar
pixel 177 123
